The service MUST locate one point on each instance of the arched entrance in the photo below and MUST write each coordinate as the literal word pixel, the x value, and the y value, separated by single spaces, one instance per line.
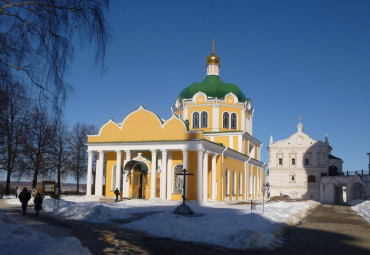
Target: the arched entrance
pixel 138 177
pixel 357 191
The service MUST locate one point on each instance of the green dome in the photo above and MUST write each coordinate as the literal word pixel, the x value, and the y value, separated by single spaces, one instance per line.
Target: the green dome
pixel 213 86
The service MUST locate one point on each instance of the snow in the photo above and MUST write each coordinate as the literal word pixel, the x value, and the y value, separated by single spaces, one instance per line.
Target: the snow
pixel 17 238
pixel 229 225
pixel 362 208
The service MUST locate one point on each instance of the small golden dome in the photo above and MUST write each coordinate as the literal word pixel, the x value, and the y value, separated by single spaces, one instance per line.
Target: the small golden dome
pixel 213 59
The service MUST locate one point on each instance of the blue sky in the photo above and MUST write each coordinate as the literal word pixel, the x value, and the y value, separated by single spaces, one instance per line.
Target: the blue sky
pixel 292 58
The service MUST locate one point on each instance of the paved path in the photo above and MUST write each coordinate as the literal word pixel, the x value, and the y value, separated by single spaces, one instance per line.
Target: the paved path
pixel 328 229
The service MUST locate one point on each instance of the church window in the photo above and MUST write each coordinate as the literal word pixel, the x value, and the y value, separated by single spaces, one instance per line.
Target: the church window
pixel 240 183
pixel 234 183
pixel 195 120
pixel 280 161
pixel 293 161
pixel 225 120
pixel 227 182
pixel 233 121
pixel 204 119
pixel 306 161
pixel 178 180
pixel 311 178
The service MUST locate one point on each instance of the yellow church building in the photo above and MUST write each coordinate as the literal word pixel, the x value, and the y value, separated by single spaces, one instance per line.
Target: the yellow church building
pixel 209 134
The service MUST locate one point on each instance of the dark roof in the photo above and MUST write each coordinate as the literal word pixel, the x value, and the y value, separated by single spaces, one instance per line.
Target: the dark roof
pixel 333 157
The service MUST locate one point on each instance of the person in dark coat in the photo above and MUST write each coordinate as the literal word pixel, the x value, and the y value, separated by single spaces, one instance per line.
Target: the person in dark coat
pixel 38 203
pixel 24 197
pixel 116 192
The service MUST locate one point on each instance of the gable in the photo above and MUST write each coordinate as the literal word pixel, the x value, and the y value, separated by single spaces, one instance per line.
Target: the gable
pixel 144 125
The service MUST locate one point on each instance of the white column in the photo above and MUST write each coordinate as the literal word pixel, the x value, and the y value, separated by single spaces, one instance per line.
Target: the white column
pixel 246 168
pixel 89 174
pixel 216 110
pixel 185 166
pixel 96 183
pixel 258 182
pixel 214 190
pixel 185 113
pixel 199 175
pixel 169 176
pixel 126 181
pixel 153 174
pixel 205 177
pixel 240 143
pixel 163 174
pixel 242 119
pixel 100 174
pixel 118 170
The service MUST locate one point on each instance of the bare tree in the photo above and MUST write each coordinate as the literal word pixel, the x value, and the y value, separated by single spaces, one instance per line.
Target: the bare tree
pixel 60 156
pixel 13 112
pixel 37 144
pixel 78 149
pixel 36 39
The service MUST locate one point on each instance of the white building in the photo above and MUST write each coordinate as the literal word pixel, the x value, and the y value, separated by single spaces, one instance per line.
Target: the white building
pixel 302 167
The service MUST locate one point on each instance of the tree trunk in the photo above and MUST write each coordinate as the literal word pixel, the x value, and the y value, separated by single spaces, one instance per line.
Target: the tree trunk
pixel 7 187
pixel 34 182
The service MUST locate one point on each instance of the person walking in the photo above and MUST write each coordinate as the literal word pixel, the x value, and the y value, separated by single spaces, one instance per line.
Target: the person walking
pixel 19 190
pixel 38 203
pixel 116 192
pixel 24 197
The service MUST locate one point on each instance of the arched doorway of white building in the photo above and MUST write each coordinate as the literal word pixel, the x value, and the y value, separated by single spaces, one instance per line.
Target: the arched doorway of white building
pixel 357 191
pixel 138 175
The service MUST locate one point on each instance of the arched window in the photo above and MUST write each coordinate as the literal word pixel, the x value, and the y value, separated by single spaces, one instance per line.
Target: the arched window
pixel 240 183
pixel 311 178
pixel 225 120
pixel 178 180
pixel 227 187
pixel 333 170
pixel 233 120
pixel 195 120
pixel 234 183
pixel 204 119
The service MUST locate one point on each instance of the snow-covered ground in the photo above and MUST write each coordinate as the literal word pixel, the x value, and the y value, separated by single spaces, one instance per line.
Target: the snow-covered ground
pixel 223 224
pixel 17 238
pixel 362 207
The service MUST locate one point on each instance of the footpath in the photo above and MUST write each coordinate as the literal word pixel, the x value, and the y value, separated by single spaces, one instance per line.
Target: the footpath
pixel 329 229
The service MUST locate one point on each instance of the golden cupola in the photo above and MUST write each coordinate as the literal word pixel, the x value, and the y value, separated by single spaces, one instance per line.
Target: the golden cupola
pixel 213 62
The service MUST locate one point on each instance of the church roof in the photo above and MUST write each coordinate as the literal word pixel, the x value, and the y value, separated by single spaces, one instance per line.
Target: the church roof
pixel 213 86
pixel 333 157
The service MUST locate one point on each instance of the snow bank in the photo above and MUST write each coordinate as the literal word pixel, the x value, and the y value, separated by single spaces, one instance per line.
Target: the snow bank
pixel 17 238
pixel 362 208
pixel 217 223
pixel 231 226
